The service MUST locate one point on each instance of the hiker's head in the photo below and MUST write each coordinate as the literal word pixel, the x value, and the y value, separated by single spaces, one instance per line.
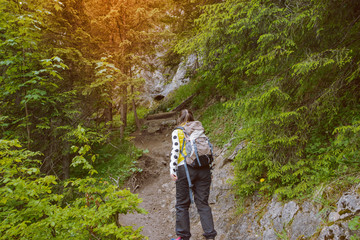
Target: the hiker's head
pixel 185 116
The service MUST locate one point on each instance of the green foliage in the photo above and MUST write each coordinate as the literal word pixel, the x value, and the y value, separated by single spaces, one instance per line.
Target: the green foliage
pixel 282 235
pixel 182 93
pixel 117 162
pixel 131 126
pixel 39 98
pixel 56 94
pixel 29 78
pixel 109 160
pixel 274 149
pixel 82 140
pixel 53 78
pixel 293 67
pixel 220 123
pixel 105 78
pixel 32 207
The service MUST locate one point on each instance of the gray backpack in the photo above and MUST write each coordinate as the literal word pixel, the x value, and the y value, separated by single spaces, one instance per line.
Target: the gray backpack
pixel 199 150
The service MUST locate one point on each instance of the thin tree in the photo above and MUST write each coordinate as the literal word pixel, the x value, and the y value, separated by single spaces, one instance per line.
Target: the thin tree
pixel 126 29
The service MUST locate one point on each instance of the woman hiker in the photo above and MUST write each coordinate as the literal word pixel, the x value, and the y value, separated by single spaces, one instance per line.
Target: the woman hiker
pixel 199 177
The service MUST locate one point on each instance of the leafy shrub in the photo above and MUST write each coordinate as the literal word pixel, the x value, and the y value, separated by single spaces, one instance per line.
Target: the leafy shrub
pixel 31 207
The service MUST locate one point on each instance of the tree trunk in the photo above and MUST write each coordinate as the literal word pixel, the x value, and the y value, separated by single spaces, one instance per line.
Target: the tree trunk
pixel 123 112
pixel 26 106
pixel 109 114
pixel 137 122
pixel 27 126
pixel 66 167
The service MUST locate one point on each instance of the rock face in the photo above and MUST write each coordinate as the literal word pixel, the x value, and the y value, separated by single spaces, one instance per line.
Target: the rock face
pixel 163 80
pixel 275 219
pixel 347 207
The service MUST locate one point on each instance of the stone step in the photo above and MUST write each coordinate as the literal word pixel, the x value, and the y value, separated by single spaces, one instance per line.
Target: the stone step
pixel 157 125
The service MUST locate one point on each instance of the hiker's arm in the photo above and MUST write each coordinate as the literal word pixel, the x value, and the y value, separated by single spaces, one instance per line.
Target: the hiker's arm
pixel 174 154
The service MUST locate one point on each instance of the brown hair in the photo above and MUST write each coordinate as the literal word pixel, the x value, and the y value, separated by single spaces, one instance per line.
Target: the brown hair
pixel 185 116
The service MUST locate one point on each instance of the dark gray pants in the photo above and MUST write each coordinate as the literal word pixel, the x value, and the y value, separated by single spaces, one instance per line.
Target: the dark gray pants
pixel 201 180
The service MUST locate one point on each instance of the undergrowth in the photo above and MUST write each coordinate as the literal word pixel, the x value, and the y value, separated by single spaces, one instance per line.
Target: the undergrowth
pixel 112 160
pixel 220 123
pixel 131 125
pixel 289 149
pixel 117 162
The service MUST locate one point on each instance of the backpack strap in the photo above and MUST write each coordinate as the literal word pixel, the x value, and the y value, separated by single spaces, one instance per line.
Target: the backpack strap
pixel 211 146
pixel 196 153
pixel 185 165
pixel 183 129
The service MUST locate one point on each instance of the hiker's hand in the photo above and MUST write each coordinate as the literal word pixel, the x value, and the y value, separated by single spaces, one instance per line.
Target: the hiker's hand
pixel 173 176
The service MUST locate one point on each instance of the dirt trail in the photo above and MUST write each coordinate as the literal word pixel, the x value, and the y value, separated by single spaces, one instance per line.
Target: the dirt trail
pixel 154 186
pixel 157 190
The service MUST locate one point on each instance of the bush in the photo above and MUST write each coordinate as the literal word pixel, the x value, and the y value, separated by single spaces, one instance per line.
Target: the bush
pixel 30 207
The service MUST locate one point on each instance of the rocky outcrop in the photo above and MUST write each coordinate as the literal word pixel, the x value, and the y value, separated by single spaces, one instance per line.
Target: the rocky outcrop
pixel 274 219
pixel 347 207
pixel 292 220
pixel 163 80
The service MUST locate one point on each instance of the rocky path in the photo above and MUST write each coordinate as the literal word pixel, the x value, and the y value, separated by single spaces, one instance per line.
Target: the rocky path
pixel 157 190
